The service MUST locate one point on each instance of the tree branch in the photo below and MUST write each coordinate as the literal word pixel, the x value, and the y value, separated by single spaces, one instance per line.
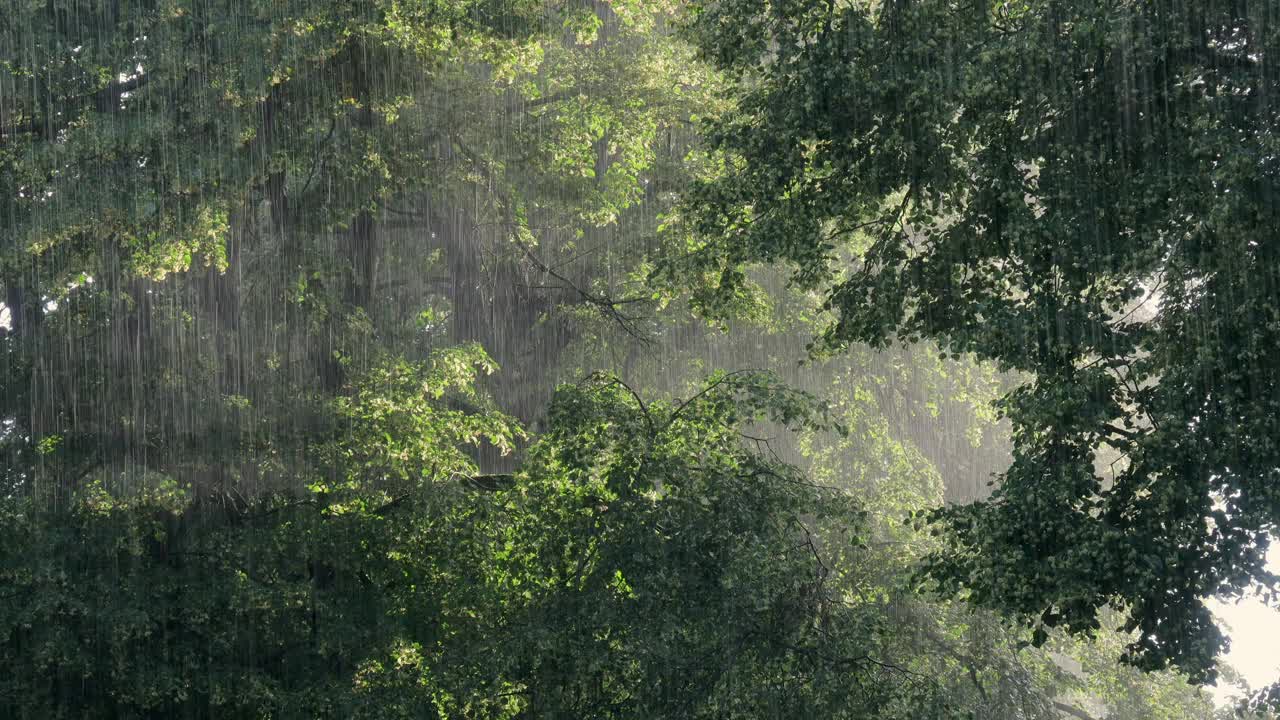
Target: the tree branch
pixel 606 305
pixel 103 100
pixel 1073 711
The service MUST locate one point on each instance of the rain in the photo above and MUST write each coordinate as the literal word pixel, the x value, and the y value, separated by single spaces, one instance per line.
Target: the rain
pixel 639 359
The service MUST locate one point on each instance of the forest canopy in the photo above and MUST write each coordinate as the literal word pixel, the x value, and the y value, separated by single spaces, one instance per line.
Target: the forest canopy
pixel 633 359
pixel 1079 191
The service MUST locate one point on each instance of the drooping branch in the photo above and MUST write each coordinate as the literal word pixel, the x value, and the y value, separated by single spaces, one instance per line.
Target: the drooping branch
pixel 610 307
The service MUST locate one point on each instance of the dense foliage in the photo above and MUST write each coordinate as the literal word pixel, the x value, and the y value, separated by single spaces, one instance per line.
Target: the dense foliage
pixel 644 563
pixel 336 379
pixel 640 543
pixel 226 208
pixel 1080 191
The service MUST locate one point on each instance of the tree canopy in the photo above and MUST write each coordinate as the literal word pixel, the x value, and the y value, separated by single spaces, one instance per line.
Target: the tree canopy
pixel 1083 192
pixel 639 541
pixel 421 358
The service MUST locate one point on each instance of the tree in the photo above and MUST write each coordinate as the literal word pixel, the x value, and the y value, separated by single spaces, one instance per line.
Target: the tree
pixel 216 214
pixel 895 405
pixel 156 600
pixel 1080 191
pixel 256 463
pixel 644 561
